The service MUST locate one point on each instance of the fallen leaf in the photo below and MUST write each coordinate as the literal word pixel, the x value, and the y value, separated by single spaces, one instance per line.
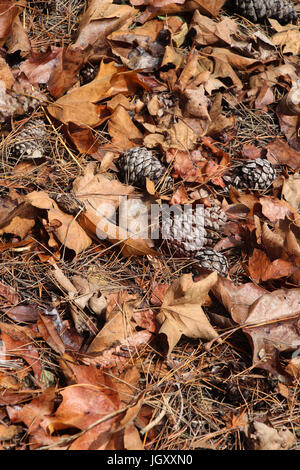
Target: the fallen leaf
pixel 9 432
pixel 110 81
pixel 99 20
pixel 265 437
pixel 181 312
pixel 65 227
pixel 287 37
pixel 101 197
pixel 23 313
pixel 279 152
pixel 291 190
pixel 262 269
pixel 207 31
pixel 237 299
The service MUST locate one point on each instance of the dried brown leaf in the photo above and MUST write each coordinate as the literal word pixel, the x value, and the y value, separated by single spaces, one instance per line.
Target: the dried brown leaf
pixel 264 437
pixel 279 152
pixel 181 312
pixel 65 227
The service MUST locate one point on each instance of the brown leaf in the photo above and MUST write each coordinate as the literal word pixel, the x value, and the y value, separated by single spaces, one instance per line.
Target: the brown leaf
pixel 33 416
pixel 11 30
pixel 264 98
pixel 124 134
pixel 117 327
pixel 23 313
pixel 6 74
pixel 237 299
pixel 8 295
pixel 127 384
pixel 264 437
pixel 110 81
pixel 121 355
pixel 207 31
pixel 9 432
pixel 181 312
pixel 18 39
pixel 24 349
pixel 101 197
pixel 274 209
pixel 16 216
pixel 291 190
pixel 271 318
pixel 100 19
pixel 158 293
pixel 65 227
pixel 66 70
pixel 287 37
pixel 250 152
pixel 262 269
pixel 50 334
pixel 279 152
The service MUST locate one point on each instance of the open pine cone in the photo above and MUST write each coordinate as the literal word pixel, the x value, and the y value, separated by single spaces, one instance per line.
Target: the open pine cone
pixel 31 140
pixel 186 232
pixel 256 174
pixel 139 163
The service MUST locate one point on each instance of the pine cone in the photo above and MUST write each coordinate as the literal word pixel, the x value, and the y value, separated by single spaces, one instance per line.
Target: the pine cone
pixel 31 141
pixel 188 231
pixel 212 261
pixel 139 163
pixel 259 10
pixel 18 102
pixel 88 73
pixel 252 174
pixel 68 203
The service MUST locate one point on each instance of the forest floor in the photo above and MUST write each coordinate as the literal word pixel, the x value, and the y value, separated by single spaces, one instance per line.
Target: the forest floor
pixel 113 343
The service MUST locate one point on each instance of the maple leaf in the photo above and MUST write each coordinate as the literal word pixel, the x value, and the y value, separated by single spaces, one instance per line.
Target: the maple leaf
pixel 181 312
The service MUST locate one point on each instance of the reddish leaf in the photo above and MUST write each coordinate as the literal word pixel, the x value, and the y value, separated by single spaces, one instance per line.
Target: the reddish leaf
pixel 50 334
pixel 279 152
pixel 262 269
pixel 23 313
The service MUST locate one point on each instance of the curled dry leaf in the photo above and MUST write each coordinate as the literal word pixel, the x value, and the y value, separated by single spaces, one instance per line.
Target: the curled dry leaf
pixel 291 190
pixel 290 103
pixel 287 37
pixel 99 20
pixel 263 437
pixel 101 197
pixel 269 320
pixel 262 269
pixel 279 152
pixel 207 31
pixel 65 227
pixel 181 312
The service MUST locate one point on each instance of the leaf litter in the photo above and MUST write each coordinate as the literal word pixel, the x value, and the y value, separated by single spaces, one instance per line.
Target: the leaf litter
pixel 107 342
